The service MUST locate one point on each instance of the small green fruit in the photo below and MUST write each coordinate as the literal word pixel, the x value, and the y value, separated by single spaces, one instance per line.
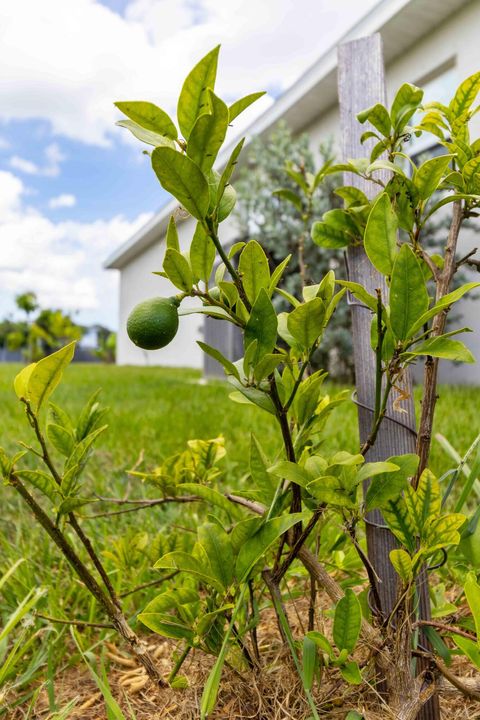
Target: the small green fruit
pixel 154 323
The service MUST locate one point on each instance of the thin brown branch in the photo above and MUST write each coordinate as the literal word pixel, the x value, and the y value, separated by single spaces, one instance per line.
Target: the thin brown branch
pixel 467 687
pixel 466 260
pixel 152 583
pixel 446 628
pixel 430 375
pixel 297 545
pixel 141 505
pixel 71 516
pixel 78 623
pixel 112 610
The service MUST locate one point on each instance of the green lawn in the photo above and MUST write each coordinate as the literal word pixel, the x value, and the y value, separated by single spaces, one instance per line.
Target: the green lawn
pixel 154 410
pixel 158 409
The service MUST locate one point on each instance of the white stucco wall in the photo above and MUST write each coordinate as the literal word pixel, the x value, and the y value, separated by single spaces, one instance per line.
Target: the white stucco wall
pixel 453 43
pixel 137 283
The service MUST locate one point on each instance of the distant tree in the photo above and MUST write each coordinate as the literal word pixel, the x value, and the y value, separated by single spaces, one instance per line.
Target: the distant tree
pixel 27 302
pixel 106 344
pixel 50 330
pixel 282 229
pixel 41 335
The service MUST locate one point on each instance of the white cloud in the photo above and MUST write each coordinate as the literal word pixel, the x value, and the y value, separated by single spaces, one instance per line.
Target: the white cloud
pixel 65 200
pixel 61 261
pixel 53 159
pixel 25 166
pixel 4 144
pixel 48 70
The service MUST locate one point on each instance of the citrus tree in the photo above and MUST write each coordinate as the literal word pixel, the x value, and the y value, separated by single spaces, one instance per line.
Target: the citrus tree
pixel 257 532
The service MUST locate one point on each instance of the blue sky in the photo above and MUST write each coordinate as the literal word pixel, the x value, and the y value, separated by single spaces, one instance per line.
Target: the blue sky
pixel 73 187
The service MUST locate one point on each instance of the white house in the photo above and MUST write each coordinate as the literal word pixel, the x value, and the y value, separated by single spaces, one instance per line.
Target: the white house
pixel 431 43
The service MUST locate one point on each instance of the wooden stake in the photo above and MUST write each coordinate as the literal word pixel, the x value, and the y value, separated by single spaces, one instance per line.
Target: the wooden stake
pixel 361 84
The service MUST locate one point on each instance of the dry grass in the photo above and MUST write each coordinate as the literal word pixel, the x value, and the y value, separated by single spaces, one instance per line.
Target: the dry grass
pixel 273 692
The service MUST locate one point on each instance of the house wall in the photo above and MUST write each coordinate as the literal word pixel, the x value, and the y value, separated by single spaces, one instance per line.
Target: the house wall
pixel 137 283
pixel 455 42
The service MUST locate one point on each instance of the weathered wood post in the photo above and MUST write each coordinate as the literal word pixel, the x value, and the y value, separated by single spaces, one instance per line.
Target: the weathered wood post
pixel 361 84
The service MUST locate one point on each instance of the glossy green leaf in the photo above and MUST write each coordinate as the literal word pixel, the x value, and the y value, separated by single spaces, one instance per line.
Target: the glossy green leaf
pixel 216 312
pixel 381 235
pixel 277 274
pixel 373 469
pixel 442 347
pixel 181 177
pixel 193 100
pixel 347 621
pixel 388 486
pixel 291 471
pixel 218 548
pixel 210 496
pixel 229 169
pixel 360 293
pixel 469 647
pixel 186 562
pixel 306 322
pixel 228 366
pixel 202 255
pixel 253 268
pixel 445 302
pixel 292 197
pixel 146 136
pixel 266 365
pixel 404 198
pixel 378 117
pixel 178 270
pixel 227 203
pixel 428 176
pixel 150 117
pixel 408 293
pixel 405 103
pixel 472 593
pixel 259 543
pixel 261 326
pixel 247 395
pixel 240 105
pixel 351 672
pixel 208 133
pixel 263 484
pixel 172 235
pixel 352 196
pixel 327 236
pixel 402 564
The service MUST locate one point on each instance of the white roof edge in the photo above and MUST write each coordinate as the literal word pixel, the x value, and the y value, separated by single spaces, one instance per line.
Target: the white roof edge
pixel 377 17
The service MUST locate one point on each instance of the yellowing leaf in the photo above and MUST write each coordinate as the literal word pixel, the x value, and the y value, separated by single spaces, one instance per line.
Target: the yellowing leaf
pixel 402 563
pixel 45 375
pixel 20 383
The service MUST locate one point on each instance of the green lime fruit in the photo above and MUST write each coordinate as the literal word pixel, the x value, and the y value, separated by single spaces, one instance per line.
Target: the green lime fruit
pixel 154 323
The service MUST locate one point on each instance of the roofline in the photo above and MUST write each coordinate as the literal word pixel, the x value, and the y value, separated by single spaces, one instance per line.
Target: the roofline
pixel 321 71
